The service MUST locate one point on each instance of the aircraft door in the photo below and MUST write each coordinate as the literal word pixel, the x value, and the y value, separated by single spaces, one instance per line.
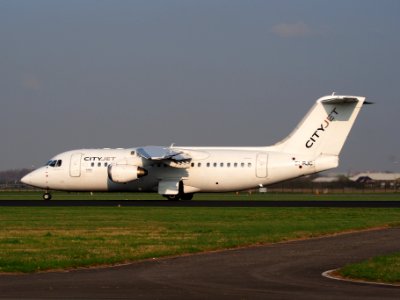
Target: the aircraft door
pixel 262 165
pixel 75 165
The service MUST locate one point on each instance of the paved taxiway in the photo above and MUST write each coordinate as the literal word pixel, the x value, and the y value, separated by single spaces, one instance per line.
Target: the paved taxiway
pixel 289 270
pixel 202 203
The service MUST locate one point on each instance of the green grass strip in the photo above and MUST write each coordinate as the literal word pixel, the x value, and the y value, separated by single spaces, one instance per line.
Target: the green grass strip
pixel 385 269
pixel 43 238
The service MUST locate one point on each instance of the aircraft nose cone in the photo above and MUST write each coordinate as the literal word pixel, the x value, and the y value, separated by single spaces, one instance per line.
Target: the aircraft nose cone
pixel 26 179
pixel 35 178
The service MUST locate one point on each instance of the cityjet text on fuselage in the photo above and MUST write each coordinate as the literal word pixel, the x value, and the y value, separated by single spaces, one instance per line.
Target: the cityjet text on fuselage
pixel 99 158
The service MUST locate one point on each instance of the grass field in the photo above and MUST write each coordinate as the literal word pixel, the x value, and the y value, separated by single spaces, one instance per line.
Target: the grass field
pixel 42 238
pixel 37 195
pixel 380 269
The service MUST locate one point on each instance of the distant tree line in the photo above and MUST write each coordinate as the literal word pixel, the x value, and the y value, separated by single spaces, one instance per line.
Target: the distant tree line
pixel 13 176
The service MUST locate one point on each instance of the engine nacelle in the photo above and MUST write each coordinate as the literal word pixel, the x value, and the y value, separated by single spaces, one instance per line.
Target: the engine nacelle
pixel 125 173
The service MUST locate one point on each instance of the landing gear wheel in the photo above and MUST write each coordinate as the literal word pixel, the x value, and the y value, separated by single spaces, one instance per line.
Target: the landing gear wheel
pixel 187 196
pixel 46 196
pixel 172 197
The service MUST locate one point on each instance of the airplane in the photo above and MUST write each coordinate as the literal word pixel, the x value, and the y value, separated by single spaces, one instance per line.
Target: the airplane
pixel 178 173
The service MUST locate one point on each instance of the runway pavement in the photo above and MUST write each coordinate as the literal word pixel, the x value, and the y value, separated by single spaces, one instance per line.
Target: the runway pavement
pixel 198 203
pixel 289 270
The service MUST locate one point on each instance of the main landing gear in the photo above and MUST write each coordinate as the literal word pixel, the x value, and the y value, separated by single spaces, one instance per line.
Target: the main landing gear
pixel 179 197
pixel 46 196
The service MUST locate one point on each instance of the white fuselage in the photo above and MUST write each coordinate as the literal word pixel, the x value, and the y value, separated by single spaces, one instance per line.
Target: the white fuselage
pixel 211 170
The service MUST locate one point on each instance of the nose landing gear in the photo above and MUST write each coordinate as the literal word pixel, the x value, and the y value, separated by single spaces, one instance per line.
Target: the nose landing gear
pixel 46 196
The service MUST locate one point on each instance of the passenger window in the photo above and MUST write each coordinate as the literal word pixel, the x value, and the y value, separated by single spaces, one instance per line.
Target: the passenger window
pixel 208 165
pixel 242 165
pixel 105 164
pixel 228 165
pixel 249 165
pixel 132 152
pixel 99 164
pixel 215 164
pixel 192 164
pixel 92 164
pixel 235 165
pixel 59 163
pixel 221 164
pixel 199 165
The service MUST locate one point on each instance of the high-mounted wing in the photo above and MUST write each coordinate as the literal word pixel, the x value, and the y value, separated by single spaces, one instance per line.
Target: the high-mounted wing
pixel 172 157
pixel 156 152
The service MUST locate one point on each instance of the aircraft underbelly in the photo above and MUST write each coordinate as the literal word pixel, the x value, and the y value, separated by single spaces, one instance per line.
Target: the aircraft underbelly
pixel 215 182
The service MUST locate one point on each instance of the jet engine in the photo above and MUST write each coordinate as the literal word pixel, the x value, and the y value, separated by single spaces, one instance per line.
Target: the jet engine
pixel 125 173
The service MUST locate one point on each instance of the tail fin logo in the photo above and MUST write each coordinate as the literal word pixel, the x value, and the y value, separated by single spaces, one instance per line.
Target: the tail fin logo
pixel 324 125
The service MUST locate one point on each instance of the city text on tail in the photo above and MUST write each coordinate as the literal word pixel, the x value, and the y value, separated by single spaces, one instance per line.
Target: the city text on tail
pixel 179 172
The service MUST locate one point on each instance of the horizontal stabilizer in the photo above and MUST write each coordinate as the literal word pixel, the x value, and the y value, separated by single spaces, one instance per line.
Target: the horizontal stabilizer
pixel 342 100
pixel 339 100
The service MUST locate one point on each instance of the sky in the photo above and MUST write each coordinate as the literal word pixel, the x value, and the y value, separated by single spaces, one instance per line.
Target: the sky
pixel 94 74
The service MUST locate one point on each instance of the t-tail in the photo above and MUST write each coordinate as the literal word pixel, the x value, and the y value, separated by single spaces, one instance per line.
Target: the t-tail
pixel 320 136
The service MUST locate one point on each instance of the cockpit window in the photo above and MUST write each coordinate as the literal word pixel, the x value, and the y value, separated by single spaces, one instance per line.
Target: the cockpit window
pixel 54 163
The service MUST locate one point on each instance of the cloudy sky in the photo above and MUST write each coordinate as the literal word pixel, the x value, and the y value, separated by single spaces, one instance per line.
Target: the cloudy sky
pixel 98 73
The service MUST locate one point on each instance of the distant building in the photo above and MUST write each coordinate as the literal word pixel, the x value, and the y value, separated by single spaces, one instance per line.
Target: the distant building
pixel 383 179
pixel 326 179
pixel 363 177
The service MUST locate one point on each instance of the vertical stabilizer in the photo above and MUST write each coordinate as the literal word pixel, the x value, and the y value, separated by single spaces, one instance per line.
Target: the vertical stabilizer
pixel 324 130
